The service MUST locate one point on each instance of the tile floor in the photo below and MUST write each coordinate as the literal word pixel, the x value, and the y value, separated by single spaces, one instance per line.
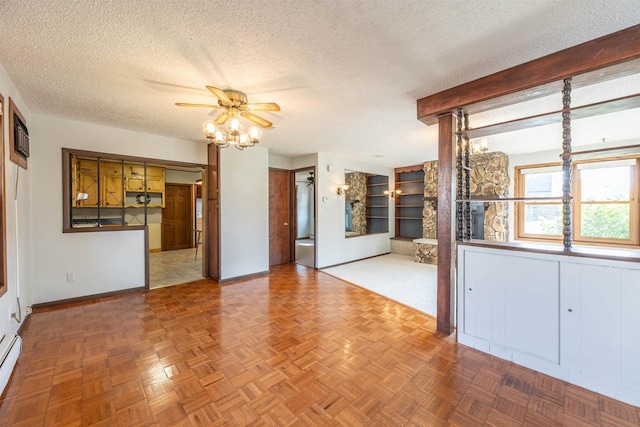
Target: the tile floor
pixel 174 267
pixel 305 252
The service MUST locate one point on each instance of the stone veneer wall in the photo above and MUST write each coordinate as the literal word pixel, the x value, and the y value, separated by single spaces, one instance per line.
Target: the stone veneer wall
pixel 429 213
pixel 426 253
pixel 357 196
pixel 490 177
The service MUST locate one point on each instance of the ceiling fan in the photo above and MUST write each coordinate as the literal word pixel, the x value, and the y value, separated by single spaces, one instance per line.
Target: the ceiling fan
pixel 235 103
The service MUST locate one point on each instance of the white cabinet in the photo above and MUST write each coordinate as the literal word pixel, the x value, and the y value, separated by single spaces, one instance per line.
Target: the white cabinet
pixel 601 322
pixel 630 328
pixel 573 318
pixel 513 302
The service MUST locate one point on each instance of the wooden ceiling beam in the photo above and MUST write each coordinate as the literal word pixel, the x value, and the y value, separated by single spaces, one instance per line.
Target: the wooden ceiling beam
pixel 608 57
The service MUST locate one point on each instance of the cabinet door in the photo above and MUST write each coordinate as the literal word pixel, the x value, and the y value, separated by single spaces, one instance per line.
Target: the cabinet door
pixel 112 191
pixel 88 184
pixel 110 169
pixel 630 333
pixel 154 172
pixel 600 318
pixel 135 183
pixel 513 302
pixel 155 185
pixel 477 295
pixel 570 333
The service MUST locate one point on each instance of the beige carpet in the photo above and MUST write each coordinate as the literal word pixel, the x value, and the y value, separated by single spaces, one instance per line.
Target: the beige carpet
pixel 395 276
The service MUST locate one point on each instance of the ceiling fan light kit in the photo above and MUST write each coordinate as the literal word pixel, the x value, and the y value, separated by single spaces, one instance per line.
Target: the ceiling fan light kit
pixel 235 104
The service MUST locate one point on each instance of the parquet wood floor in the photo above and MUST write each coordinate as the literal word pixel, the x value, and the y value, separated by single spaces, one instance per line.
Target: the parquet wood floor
pixel 297 347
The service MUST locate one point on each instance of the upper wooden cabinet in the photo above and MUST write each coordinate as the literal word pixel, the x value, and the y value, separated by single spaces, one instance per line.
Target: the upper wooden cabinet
pixel 135 182
pixel 107 184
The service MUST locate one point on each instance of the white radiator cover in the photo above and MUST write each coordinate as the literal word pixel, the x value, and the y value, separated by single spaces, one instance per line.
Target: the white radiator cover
pixel 10 348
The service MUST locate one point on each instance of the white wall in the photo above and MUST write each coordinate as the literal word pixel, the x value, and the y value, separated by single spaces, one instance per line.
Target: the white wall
pixel 19 245
pixel 279 162
pixel 244 212
pixel 331 244
pixel 102 261
pixel 181 177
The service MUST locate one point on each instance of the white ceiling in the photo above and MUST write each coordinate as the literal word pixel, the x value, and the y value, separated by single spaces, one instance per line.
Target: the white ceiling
pixel 347 73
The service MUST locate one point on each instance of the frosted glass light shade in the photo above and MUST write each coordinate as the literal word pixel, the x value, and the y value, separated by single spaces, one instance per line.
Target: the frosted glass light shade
pixel 209 129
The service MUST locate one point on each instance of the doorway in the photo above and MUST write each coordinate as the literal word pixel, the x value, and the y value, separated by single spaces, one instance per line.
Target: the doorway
pixel 304 214
pixel 175 252
pixel 279 230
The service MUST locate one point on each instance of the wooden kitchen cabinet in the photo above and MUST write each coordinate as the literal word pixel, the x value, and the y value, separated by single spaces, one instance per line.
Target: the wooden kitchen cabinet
pixel 104 187
pixel 112 191
pixel 135 183
pixel 86 182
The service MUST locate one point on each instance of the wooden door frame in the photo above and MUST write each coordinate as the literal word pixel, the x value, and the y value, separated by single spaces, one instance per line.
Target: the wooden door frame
pixel 290 257
pixel 190 216
pixel 293 214
pixel 211 223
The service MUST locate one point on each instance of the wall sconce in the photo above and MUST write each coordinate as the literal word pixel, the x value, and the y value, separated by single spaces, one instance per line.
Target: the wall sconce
pixel 392 193
pixel 342 189
pixel 479 146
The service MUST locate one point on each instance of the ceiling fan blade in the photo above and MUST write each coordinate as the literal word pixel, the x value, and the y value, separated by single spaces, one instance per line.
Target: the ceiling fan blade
pixel 185 104
pixel 220 94
pixel 266 106
pixel 256 119
pixel 222 118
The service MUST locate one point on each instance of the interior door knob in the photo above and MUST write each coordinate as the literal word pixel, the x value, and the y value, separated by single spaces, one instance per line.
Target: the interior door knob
pixel 286 223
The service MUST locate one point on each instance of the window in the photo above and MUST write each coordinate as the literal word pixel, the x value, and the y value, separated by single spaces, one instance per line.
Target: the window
pixel 604 205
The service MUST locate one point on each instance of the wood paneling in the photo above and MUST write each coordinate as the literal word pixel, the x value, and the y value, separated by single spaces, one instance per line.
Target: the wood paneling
pixel 446 216
pixel 295 348
pixel 506 87
pixel 279 229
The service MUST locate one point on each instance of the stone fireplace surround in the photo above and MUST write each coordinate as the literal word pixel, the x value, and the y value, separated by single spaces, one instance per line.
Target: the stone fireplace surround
pixel 489 178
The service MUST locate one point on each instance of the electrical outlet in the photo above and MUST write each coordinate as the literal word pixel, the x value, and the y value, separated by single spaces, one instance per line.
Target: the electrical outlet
pixel 28 310
pixel 71 277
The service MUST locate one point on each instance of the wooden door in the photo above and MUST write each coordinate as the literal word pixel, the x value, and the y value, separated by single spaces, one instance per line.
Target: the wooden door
pixel 279 245
pixel 177 218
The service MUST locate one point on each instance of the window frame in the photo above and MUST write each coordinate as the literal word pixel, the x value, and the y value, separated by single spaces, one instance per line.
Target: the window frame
pixel 3 204
pixel 576 206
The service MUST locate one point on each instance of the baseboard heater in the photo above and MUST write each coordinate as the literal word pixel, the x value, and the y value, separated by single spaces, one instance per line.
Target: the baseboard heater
pixel 10 348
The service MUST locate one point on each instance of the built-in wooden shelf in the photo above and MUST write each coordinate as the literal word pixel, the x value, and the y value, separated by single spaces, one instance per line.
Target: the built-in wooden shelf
pixel 411 194
pixel 581 112
pixel 409 217
pixel 409 206
pixel 377 207
pixel 421 181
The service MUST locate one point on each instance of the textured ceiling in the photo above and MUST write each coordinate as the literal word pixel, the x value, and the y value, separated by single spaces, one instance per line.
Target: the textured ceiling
pixel 347 74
